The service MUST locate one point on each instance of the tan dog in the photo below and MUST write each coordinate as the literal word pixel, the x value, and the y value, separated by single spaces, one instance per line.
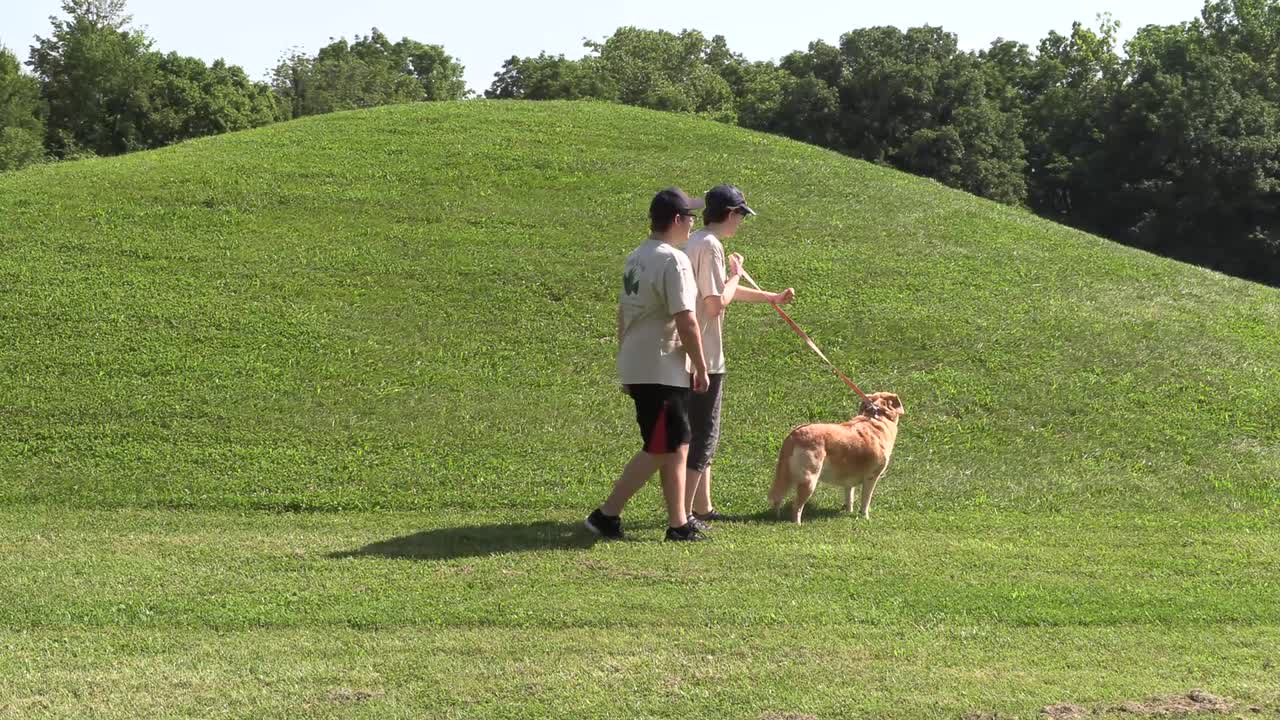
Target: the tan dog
pixel 845 454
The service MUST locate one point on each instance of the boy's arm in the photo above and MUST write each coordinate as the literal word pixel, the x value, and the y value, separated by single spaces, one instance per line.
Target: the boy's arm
pixel 752 295
pixel 717 303
pixel 691 338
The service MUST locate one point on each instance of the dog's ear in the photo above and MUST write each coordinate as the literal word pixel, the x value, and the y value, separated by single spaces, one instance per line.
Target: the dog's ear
pixel 894 402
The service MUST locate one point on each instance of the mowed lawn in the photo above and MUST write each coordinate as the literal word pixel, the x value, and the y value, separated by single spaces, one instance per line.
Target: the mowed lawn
pixel 303 422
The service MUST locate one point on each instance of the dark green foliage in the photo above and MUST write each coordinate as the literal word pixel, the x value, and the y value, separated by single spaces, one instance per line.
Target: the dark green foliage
pixel 21 115
pixel 1175 148
pixel 659 70
pixel 108 92
pixel 369 72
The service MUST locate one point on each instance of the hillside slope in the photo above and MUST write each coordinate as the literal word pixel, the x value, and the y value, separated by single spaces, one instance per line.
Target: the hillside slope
pixel 412 307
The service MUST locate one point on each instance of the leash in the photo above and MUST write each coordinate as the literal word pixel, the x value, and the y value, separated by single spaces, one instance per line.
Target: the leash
pixel 809 341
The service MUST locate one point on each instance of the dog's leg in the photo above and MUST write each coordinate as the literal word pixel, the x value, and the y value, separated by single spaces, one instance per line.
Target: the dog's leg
pixel 868 489
pixel 781 477
pixel 804 490
pixel 805 472
pixel 848 499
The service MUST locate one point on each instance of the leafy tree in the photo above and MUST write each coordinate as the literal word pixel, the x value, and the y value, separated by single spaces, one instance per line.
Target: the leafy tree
pixel 759 90
pixel 548 77
pixel 1069 88
pixel 21 115
pixel 809 109
pixel 665 71
pixel 911 100
pixel 189 99
pixel 368 72
pixel 1193 142
pixel 440 75
pixel 94 74
pixel 649 68
pixel 108 92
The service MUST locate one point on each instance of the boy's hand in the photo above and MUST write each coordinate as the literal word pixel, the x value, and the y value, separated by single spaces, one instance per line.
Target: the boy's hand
pixel 784 297
pixel 701 382
pixel 735 264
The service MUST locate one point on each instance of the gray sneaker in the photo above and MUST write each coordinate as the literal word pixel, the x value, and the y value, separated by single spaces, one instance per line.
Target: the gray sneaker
pixel 710 516
pixel 698 525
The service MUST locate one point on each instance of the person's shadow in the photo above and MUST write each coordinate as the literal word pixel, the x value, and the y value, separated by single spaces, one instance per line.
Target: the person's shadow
pixel 478 540
pixel 481 540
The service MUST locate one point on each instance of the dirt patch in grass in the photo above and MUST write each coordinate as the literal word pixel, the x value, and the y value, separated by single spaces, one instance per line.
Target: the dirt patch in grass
pixel 1065 711
pixel 1196 702
pixel 344 696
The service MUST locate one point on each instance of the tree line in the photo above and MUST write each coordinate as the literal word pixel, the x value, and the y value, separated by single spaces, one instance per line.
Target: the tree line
pixel 1172 145
pixel 98 87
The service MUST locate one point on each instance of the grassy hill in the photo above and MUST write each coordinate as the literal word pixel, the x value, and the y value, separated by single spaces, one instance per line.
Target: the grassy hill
pixel 405 316
pixel 395 307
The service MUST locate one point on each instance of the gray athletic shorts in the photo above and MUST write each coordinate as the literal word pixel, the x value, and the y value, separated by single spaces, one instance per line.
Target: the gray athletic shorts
pixel 704 419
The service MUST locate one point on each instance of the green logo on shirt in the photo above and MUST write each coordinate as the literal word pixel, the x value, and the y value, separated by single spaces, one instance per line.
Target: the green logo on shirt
pixel 630 285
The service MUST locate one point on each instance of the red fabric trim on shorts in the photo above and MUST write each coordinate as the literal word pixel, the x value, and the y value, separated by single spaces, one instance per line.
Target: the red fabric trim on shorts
pixel 658 437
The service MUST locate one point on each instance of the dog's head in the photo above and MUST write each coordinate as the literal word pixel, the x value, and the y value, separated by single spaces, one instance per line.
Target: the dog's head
pixel 883 404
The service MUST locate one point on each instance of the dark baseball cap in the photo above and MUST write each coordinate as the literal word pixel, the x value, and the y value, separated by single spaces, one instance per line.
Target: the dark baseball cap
pixel 727 197
pixel 671 202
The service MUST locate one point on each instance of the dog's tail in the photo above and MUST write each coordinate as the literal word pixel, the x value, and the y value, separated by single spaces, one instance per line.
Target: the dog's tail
pixel 782 474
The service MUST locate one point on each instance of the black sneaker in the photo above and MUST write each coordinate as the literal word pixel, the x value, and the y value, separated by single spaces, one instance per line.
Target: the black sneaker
pixel 688 533
pixel 710 516
pixel 606 526
pixel 698 524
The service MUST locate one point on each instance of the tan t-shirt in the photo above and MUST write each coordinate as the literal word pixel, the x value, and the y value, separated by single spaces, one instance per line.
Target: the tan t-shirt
pixel 657 283
pixel 706 254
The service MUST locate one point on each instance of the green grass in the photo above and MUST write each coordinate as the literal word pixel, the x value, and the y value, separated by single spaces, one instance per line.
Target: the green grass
pixel 300 422
pixel 500 615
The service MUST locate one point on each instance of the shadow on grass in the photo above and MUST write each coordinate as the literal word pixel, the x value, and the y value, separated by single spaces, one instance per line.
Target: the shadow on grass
pixel 481 540
pixel 478 540
pixel 768 515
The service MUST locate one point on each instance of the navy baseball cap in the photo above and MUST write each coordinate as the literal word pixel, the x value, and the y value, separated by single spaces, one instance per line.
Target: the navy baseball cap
pixel 727 197
pixel 669 203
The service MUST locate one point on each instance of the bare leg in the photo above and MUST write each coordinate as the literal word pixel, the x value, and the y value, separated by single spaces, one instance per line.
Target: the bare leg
pixel 673 471
pixel 700 491
pixel 691 482
pixel 634 476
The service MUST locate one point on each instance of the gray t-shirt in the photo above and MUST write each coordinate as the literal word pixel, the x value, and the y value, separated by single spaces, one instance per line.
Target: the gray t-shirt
pixel 657 283
pixel 706 254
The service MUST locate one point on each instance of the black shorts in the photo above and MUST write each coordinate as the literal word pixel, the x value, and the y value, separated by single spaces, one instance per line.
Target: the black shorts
pixel 662 412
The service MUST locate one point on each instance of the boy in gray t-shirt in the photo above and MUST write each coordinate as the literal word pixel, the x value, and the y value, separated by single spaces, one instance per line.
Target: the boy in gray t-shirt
pixel 726 208
pixel 658 340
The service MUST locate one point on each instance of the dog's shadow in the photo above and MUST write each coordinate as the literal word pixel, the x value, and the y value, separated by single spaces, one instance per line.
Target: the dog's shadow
pixel 478 541
pixel 770 516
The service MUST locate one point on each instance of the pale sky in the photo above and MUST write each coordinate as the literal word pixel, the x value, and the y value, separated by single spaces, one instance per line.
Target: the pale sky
pixel 254 34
